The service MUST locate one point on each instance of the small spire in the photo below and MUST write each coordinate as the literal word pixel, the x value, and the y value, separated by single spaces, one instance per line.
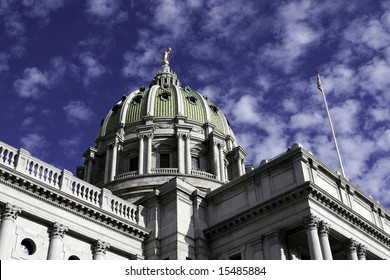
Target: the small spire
pixel 165 56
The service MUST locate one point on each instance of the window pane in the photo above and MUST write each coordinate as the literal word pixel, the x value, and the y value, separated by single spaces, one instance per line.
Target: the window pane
pixel 133 164
pixel 164 161
pixel 195 163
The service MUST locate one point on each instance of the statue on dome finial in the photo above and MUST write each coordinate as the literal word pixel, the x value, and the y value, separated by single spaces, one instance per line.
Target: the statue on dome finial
pixel 165 57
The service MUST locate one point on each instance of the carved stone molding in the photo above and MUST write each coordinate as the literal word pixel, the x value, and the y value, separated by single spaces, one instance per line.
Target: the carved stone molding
pixel 361 251
pixel 100 247
pixel 323 228
pixel 10 212
pixel 310 221
pixel 352 245
pixel 58 230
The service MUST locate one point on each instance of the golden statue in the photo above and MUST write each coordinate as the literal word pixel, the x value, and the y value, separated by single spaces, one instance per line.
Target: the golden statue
pixel 165 57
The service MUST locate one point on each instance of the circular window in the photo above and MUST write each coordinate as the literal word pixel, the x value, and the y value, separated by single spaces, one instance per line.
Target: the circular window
pixel 28 246
pixel 73 258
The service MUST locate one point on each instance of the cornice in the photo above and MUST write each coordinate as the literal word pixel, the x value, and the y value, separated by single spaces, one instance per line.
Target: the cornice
pixel 305 191
pixel 72 205
pixel 349 215
pixel 260 211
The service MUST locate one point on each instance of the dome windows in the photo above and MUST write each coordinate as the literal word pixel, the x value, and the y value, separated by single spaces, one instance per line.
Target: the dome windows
pixel 165 96
pixel 214 108
pixel 192 99
pixel 136 100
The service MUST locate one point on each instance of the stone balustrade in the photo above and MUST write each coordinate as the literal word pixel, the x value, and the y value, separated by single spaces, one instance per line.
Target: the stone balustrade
pixel 203 174
pixel 64 181
pixel 165 171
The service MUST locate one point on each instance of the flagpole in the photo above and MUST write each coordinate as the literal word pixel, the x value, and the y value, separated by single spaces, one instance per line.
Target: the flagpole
pixel 319 85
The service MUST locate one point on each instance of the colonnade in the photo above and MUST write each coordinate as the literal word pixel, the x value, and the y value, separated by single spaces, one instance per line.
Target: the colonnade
pixel 56 233
pixel 317 232
pixel 219 168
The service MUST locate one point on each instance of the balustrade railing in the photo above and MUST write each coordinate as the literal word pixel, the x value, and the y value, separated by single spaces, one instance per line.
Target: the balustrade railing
pixel 63 180
pixel 165 170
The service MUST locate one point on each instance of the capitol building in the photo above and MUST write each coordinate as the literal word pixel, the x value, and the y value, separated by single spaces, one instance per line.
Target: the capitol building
pixel 166 179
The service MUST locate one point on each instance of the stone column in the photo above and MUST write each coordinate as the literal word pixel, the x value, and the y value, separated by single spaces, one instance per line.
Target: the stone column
pixel 311 226
pixel 149 137
pixel 188 153
pixel 107 166
pixel 141 154
pixel 324 240
pixel 361 252
pixel 89 170
pixel 99 249
pixel 352 246
pixel 221 162
pixel 56 233
pixel 114 157
pixel 180 153
pixel 216 161
pixel 243 166
pixel 8 217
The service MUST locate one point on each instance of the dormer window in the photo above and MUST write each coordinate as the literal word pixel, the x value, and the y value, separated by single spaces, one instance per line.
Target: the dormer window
pixel 214 109
pixel 136 100
pixel 192 99
pixel 164 96
pixel 187 89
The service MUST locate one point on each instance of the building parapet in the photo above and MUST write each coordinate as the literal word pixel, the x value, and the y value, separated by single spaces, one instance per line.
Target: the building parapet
pixel 63 181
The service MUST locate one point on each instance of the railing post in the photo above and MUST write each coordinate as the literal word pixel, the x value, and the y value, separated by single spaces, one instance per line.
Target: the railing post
pixel 104 202
pixel 21 163
pixel 65 182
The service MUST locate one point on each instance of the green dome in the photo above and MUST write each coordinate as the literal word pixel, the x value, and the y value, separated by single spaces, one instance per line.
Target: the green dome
pixel 165 98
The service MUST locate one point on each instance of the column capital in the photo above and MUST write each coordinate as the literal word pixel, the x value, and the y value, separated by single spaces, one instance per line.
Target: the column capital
pixel 10 212
pixel 147 135
pixel 361 251
pixel 323 228
pixel 100 247
pixel 310 221
pixel 57 230
pixel 352 245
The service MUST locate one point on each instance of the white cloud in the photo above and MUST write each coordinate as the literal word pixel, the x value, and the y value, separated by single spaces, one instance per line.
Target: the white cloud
pixel 246 110
pixel 28 122
pixel 14 26
pixel 77 112
pixel 345 117
pixel 41 9
pixel 33 84
pixel 378 181
pixel 4 57
pixel 35 144
pixel 107 12
pixel 170 15
pixel 375 77
pixel 138 64
pixel 306 120
pixel 92 68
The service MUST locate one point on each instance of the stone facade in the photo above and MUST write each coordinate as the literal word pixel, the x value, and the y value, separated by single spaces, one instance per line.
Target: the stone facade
pixel 166 180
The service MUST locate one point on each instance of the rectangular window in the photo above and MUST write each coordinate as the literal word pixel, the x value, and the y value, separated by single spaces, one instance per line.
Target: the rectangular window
pixel 195 163
pixel 133 164
pixel 164 161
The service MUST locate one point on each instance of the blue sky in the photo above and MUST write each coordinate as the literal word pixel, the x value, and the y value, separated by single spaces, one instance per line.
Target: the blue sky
pixel 63 64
